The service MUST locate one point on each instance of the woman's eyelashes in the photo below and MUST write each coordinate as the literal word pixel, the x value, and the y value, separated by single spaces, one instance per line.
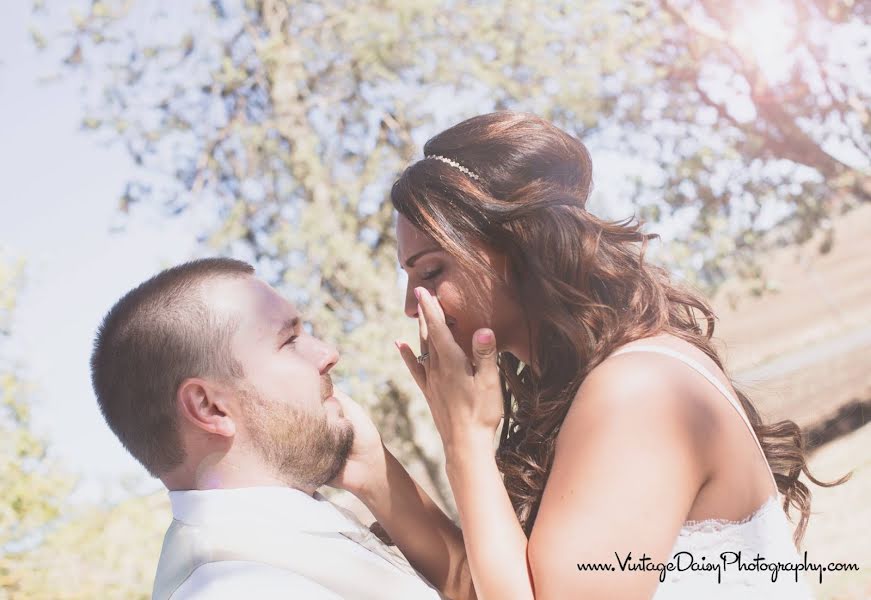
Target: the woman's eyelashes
pixel 432 274
pixel 291 341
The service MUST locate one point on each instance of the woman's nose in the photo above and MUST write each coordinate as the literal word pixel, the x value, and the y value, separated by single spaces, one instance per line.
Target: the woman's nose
pixel 410 303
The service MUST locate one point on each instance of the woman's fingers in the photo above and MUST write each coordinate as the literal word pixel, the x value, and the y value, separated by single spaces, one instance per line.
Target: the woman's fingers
pixel 417 370
pixel 438 306
pixel 423 331
pixel 438 335
pixel 484 351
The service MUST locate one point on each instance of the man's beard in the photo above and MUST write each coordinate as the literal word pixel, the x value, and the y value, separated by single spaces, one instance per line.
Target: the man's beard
pixel 304 448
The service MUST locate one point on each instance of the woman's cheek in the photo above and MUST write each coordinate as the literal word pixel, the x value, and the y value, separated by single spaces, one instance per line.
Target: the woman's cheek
pixel 451 302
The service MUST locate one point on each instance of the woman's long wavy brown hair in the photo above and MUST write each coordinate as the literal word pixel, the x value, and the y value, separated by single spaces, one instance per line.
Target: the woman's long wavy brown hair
pixel 582 282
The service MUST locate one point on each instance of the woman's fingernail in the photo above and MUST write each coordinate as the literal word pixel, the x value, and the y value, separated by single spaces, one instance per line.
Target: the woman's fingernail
pixel 417 293
pixel 485 337
pixel 396 343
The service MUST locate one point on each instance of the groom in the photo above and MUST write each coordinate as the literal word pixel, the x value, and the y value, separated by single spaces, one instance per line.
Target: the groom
pixel 208 378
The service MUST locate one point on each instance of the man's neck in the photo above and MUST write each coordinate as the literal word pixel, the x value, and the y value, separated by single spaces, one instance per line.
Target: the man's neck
pixel 227 474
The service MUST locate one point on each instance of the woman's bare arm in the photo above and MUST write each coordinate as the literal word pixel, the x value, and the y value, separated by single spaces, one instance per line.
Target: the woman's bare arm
pixel 430 540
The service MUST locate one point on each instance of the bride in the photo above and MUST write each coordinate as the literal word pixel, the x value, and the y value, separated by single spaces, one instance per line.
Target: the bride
pixel 628 465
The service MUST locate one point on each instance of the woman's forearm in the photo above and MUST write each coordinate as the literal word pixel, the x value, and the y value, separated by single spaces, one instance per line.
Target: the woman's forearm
pixel 430 541
pixel 495 542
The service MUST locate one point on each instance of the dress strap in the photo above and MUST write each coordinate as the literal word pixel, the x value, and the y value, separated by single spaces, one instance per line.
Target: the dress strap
pixel 701 370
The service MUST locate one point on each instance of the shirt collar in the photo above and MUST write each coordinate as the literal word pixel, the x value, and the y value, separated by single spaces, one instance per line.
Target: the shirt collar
pixel 275 504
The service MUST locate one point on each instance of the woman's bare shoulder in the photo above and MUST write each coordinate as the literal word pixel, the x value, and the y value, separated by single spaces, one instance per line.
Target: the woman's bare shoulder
pixel 647 386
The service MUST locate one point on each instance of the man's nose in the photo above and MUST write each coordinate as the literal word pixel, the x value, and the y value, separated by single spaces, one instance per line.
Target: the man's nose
pixel 326 356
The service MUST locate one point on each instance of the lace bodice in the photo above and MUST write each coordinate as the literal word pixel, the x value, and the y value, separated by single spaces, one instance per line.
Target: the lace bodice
pixel 766 533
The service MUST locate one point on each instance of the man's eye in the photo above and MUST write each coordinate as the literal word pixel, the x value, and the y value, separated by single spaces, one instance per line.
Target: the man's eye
pixel 290 341
pixel 431 275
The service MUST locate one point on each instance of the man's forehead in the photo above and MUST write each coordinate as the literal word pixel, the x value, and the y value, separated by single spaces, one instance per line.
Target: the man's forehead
pixel 253 301
pixel 273 307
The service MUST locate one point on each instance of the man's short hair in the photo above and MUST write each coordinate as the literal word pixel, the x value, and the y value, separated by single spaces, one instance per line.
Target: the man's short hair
pixel 159 334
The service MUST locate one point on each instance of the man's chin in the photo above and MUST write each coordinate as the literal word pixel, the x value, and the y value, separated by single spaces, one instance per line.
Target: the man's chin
pixel 344 443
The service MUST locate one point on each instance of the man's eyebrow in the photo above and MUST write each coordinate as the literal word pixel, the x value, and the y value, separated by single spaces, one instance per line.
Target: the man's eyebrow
pixel 288 326
pixel 413 259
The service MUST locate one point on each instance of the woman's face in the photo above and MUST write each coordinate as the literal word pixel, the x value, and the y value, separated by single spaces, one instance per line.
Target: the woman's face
pixel 470 300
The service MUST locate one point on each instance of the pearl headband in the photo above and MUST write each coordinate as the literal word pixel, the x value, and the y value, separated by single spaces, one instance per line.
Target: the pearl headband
pixel 455 165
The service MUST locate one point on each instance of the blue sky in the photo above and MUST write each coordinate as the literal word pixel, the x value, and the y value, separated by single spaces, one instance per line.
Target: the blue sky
pixel 57 210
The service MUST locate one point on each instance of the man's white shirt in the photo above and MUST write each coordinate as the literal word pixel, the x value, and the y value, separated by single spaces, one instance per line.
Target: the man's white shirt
pixel 262 508
pixel 241 579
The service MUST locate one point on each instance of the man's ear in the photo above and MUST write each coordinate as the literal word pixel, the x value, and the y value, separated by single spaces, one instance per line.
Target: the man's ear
pixel 205 405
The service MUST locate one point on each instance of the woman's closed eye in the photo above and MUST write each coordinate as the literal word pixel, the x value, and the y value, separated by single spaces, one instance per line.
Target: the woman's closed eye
pixel 431 274
pixel 290 341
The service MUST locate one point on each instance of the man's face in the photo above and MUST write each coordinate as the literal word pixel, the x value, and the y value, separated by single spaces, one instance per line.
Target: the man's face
pixel 289 414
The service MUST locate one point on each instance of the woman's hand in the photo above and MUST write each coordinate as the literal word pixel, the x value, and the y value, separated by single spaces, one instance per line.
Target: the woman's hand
pixel 464 397
pixel 430 541
pixel 366 462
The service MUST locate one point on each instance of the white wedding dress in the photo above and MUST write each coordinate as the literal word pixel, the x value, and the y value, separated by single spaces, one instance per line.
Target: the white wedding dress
pixel 766 533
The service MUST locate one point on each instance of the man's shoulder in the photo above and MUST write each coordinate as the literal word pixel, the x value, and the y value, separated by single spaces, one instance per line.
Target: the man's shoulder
pixel 237 578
